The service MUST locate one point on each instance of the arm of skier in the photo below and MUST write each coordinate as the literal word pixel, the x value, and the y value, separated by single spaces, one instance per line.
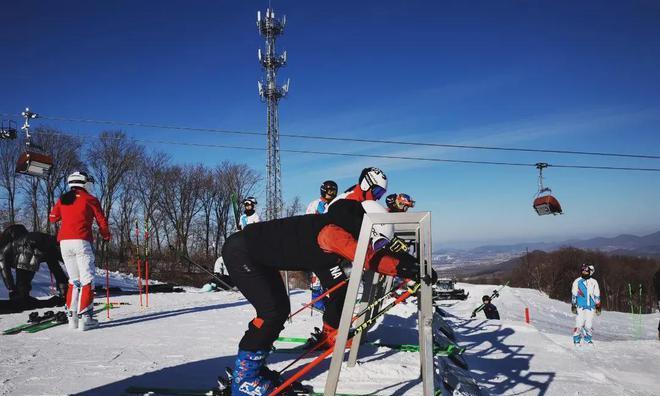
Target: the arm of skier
pixel 334 239
pixel 101 220
pixel 55 214
pixel 574 292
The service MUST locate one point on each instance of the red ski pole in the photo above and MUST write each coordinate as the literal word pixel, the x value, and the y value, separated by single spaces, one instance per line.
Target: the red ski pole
pixel 137 257
pixel 330 290
pixel 146 259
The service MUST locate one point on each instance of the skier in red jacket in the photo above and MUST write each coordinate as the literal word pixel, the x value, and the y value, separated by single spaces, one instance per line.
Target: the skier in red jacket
pixel 77 209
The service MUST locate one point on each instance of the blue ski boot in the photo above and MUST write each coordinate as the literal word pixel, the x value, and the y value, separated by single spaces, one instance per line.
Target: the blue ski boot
pixel 248 378
pixel 576 340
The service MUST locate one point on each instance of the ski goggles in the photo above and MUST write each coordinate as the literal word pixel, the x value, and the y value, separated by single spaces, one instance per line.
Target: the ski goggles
pixel 377 191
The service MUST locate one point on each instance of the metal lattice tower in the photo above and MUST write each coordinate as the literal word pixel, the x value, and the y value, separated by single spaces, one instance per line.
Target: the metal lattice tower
pixel 271 93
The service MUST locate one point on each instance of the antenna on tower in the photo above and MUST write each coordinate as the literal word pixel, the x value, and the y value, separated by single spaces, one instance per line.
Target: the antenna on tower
pixel 270 93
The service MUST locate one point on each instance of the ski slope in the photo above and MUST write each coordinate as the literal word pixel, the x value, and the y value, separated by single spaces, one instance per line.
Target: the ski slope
pixel 187 339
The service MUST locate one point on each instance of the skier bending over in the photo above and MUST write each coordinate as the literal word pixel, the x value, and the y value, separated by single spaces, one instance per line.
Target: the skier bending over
pixel 585 301
pixel 315 243
pixel 25 251
pixel 77 209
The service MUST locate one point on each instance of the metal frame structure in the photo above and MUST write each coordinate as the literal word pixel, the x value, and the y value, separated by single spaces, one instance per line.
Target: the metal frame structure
pixel 271 93
pixel 420 224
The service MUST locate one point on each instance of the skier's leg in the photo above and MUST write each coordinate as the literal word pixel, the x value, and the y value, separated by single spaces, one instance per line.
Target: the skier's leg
pixel 57 272
pixel 68 248
pixel 335 302
pixel 588 324
pixel 264 289
pixel 579 324
pixel 86 268
pixel 24 283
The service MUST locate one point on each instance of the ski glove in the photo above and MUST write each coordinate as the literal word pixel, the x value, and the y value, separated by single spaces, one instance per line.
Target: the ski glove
pixel 598 309
pixel 397 245
pixel 574 309
pixel 409 268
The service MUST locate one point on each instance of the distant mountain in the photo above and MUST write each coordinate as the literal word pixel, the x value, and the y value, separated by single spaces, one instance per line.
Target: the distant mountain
pixel 625 244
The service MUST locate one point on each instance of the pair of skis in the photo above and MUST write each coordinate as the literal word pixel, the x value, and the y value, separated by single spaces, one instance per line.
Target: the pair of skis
pixel 44 323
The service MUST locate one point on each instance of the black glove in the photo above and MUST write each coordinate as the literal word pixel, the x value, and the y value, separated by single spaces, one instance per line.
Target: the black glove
pixel 397 245
pixel 408 266
pixel 574 308
pixel 598 309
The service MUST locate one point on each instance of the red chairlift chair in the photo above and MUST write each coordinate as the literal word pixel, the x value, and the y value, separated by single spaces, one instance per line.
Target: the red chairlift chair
pixel 34 161
pixel 545 203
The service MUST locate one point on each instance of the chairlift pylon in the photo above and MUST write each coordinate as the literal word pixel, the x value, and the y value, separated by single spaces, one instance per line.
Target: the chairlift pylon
pixel 34 161
pixel 545 203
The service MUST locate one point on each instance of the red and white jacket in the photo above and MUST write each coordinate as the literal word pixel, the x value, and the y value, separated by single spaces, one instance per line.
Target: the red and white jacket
pixel 78 217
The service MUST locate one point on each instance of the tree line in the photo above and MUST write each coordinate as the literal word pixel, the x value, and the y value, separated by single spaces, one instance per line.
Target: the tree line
pixel 553 273
pixel 185 207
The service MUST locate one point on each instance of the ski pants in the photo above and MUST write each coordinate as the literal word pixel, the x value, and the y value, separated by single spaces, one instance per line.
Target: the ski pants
pixel 264 288
pixel 334 304
pixel 584 322
pixel 78 258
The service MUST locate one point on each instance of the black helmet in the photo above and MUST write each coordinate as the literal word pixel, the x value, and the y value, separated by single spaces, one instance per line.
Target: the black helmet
pixel 485 298
pixel 390 200
pixel 329 187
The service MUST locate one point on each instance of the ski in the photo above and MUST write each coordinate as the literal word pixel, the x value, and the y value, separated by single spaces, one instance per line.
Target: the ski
pixel 52 323
pixel 437 349
pixel 234 205
pixel 169 391
pixel 33 321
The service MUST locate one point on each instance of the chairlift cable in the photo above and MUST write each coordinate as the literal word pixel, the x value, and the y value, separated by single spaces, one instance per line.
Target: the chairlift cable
pixel 346 139
pixel 409 158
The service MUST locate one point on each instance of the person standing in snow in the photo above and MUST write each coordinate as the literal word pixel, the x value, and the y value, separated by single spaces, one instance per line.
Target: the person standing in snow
pixel 249 215
pixel 490 310
pixel 328 193
pixel 399 203
pixel 255 256
pixel 77 209
pixel 319 206
pixel 656 281
pixel 585 302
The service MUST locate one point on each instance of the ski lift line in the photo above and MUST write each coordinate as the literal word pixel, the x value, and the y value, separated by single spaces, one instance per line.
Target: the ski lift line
pixel 474 162
pixel 345 139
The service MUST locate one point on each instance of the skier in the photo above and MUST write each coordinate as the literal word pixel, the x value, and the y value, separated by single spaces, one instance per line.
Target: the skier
pixel 319 206
pixel 490 310
pixel 585 300
pixel 328 193
pixel 250 215
pixel 25 251
pixel 77 210
pixel 255 256
pixel 372 185
pixel 656 281
pixel 397 203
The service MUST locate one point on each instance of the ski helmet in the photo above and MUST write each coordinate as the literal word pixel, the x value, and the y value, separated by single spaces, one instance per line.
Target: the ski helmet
pixel 329 187
pixel 485 298
pixel 381 234
pixel 250 201
pixel 390 201
pixel 80 179
pixel 374 180
pixel 587 267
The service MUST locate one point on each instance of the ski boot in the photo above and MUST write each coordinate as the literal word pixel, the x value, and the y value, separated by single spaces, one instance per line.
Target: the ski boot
pixel 247 378
pixel 588 340
pixel 326 336
pixel 86 321
pixel 576 340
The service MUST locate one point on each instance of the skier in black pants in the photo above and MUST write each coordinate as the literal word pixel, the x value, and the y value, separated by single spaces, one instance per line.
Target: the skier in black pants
pixel 489 309
pixel 315 243
pixel 25 251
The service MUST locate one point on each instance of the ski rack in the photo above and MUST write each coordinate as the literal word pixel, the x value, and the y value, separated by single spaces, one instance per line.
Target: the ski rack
pixel 418 224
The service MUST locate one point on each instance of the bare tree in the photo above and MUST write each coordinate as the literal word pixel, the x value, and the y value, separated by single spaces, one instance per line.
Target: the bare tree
pixel 66 159
pixel 9 152
pixel 294 208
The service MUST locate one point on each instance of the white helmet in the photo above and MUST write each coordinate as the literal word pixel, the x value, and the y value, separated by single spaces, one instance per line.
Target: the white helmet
pixel 381 234
pixel 375 180
pixel 81 179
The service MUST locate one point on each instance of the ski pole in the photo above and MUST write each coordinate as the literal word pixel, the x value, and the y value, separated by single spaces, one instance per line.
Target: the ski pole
pixel 146 258
pixel 325 354
pixel 356 316
pixel 327 292
pixel 137 256
pixel 189 260
pixel 104 250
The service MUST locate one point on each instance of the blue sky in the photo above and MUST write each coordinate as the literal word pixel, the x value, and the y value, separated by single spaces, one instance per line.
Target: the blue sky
pixel 554 75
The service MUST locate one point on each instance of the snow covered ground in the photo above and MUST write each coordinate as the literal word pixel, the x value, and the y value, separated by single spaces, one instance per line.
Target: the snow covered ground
pixel 186 340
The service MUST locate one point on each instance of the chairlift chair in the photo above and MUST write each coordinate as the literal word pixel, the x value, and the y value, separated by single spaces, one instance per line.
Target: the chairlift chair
pixel 34 161
pixel 8 129
pixel 545 203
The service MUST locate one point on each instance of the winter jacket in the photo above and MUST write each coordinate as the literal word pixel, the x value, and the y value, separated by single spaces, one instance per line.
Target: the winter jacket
pixel 317 206
pixel 77 217
pixel 491 311
pixel 251 219
pixel 585 293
